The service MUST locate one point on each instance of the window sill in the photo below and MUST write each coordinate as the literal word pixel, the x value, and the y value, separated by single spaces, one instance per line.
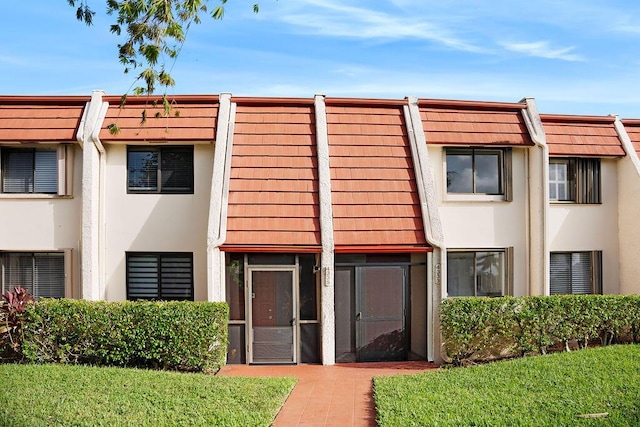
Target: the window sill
pixel 32 196
pixel 474 198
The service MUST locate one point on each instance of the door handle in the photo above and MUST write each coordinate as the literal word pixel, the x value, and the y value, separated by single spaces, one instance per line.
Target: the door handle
pixel 292 322
pixel 359 315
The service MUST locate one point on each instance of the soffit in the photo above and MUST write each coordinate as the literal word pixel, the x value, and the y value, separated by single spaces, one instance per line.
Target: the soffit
pixel 40 119
pixel 581 136
pixel 374 195
pixel 191 118
pixel 273 193
pixel 474 123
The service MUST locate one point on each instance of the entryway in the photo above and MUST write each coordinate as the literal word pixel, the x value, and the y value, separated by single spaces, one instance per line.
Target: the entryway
pixel 272 304
pixel 371 312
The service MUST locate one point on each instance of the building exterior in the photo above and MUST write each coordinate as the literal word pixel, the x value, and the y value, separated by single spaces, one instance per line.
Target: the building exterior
pixel 332 227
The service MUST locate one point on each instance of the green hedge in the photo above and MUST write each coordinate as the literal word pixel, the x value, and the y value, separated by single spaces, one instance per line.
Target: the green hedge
pixel 489 328
pixel 188 336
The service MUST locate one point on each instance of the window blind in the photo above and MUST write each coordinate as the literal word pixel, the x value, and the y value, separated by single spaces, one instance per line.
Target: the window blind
pixel 160 276
pixel 42 274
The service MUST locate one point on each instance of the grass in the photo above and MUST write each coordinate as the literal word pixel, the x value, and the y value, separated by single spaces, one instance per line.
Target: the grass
pixel 56 395
pixel 549 390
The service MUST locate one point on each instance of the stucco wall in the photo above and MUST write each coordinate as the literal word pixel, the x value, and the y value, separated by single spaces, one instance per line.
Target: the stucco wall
pixel 473 224
pixel 629 226
pixel 45 224
pixel 591 227
pixel 155 222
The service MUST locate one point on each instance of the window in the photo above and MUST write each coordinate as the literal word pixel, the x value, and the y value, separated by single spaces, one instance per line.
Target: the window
pixel 574 180
pixel 38 170
pixel 478 171
pixel 576 273
pixel 479 273
pixel 42 274
pixel 160 169
pixel 160 276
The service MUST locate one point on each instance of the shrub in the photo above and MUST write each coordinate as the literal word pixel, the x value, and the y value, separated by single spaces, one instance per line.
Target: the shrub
pixel 188 336
pixel 489 328
pixel 12 312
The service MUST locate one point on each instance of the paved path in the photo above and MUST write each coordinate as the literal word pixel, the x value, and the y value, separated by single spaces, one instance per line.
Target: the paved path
pixel 339 395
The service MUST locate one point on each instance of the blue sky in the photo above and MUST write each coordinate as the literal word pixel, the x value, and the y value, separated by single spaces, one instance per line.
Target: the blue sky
pixel 572 56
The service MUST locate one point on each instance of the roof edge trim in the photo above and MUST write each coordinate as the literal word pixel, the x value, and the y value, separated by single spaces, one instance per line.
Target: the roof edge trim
pixel 359 249
pixel 565 118
pixel 271 249
pixel 484 105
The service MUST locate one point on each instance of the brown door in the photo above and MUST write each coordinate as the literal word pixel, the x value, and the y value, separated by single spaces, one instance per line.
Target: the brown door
pixel 273 322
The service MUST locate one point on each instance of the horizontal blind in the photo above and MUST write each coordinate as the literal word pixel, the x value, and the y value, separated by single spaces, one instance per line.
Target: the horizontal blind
pixel 176 277
pixel 42 274
pixel 48 275
pixel 46 171
pixel 560 266
pixel 142 276
pixel 581 273
pixel 160 276
pixel 177 169
pixel 18 171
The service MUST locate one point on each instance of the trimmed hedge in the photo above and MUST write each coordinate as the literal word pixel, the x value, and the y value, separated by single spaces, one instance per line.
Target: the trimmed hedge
pixel 480 328
pixel 177 335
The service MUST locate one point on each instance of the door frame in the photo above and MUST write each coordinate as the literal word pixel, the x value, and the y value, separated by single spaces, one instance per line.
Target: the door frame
pixel 359 309
pixel 249 269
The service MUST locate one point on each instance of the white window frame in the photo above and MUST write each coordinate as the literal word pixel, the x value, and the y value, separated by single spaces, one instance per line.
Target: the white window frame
pixel 65 165
pixel 505 178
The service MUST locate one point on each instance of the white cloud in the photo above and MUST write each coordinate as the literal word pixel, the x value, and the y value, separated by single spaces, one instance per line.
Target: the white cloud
pixel 543 49
pixel 326 18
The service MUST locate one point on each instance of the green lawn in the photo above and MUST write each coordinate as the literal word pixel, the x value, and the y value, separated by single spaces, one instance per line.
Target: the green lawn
pixel 43 395
pixel 549 390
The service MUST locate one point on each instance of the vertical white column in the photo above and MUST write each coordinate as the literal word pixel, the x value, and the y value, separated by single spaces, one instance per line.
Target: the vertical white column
pixel 216 227
pixel 538 202
pixel 327 283
pixel 89 129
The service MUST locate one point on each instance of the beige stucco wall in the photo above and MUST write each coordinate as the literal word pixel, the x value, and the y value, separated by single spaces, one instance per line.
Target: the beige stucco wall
pixel 475 224
pixel 49 223
pixel 629 226
pixel 591 227
pixel 155 222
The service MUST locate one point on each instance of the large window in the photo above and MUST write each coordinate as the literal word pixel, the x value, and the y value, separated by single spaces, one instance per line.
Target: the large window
pixel 42 274
pixel 478 171
pixel 576 273
pixel 160 169
pixel 478 273
pixel 574 180
pixel 29 170
pixel 160 276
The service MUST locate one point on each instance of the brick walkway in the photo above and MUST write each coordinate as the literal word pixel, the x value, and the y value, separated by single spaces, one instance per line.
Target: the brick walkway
pixel 339 395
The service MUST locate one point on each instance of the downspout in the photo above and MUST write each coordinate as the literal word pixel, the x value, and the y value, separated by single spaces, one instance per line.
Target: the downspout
pixel 93 224
pixel 430 220
pixel 327 279
pixel 218 204
pixel 539 217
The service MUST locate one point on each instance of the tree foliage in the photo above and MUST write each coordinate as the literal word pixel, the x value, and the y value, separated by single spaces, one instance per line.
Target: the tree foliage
pixel 153 33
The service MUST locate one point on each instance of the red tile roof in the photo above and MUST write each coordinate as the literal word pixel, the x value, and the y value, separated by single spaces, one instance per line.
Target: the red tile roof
pixel 375 200
pixel 273 194
pixel 581 135
pixel 36 119
pixel 633 130
pixel 192 118
pixel 473 123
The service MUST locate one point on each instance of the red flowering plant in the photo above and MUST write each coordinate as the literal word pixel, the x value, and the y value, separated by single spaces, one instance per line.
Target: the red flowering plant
pixel 12 310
